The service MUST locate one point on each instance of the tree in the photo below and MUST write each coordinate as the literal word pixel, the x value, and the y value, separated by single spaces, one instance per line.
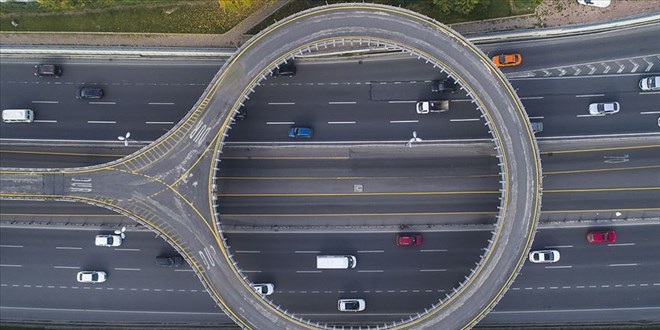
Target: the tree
pixel 462 7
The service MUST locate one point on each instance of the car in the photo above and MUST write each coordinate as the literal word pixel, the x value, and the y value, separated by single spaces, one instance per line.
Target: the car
pixel 264 289
pixel 300 132
pixel 408 240
pixel 285 70
pixel 351 305
pixel 595 3
pixel 47 70
pixel 601 236
pixel 92 276
pixel 88 92
pixel 507 59
pixel 537 126
pixel 604 108
pixel 650 83
pixel 444 85
pixel 544 256
pixel 108 240
pixel 174 261
pixel 426 107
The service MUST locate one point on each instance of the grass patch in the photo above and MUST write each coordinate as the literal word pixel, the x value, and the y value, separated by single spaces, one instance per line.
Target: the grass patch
pixel 156 16
pixel 485 10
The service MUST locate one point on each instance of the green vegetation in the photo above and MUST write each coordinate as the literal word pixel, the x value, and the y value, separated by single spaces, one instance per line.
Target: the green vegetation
pixel 157 16
pixel 445 11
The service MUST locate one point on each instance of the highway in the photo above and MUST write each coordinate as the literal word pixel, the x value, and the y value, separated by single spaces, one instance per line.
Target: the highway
pixel 45 261
pixel 329 89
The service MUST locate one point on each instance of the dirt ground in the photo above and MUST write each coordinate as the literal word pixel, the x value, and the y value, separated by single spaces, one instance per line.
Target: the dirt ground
pixel 562 12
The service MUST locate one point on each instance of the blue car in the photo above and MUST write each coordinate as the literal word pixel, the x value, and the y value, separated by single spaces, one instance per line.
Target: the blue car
pixel 297 132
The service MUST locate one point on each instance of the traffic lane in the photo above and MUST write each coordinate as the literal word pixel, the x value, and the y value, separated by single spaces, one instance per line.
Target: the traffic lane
pixel 595 158
pixel 355 204
pixel 11 208
pixel 433 163
pixel 600 200
pixel 647 178
pixel 61 157
pixel 123 71
pixel 613 84
pixel 614 44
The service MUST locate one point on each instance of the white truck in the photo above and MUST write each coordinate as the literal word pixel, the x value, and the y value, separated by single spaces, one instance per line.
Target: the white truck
pixel 426 107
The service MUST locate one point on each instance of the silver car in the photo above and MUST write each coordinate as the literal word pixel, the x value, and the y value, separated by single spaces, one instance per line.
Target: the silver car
pixel 650 83
pixel 91 276
pixel 605 108
pixel 544 256
pixel 351 305
pixel 264 289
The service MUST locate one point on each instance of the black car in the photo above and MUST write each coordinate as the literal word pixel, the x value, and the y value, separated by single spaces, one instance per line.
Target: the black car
pixel 47 70
pixel 87 92
pixel 169 261
pixel 285 70
pixel 444 85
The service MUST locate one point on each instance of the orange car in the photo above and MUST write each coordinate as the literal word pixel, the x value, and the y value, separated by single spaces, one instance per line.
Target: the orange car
pixel 507 59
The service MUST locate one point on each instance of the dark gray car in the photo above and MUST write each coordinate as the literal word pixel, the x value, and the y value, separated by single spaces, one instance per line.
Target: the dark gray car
pixel 89 92
pixel 174 261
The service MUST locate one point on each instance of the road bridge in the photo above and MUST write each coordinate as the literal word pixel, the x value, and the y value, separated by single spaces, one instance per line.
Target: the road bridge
pixel 169 185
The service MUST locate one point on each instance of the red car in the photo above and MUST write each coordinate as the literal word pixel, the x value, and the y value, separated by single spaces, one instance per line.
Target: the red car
pixel 601 236
pixel 408 240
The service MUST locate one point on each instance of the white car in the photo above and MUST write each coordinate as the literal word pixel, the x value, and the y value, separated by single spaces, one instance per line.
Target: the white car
pixel 544 256
pixel 351 305
pixel 107 240
pixel 92 276
pixel 650 83
pixel 264 289
pixel 595 3
pixel 606 108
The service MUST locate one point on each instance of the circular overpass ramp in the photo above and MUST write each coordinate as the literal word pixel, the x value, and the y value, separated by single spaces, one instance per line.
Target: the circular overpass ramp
pixel 378 26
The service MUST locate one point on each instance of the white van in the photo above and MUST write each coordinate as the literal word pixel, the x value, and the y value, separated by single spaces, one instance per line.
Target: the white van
pixel 17 116
pixel 335 262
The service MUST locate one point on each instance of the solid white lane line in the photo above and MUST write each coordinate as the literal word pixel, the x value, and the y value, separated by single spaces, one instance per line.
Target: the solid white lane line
pixel 102 102
pixel 432 270
pixel 580 116
pixel 159 122
pixel 68 248
pixel 589 95
pixel 251 271
pixel 649 112
pixel 10 246
pixel 371 271
pixel 8 265
pixel 122 249
pixel 394 102
pixel 466 119
pixel 101 122
pixel 280 122
pixel 342 102
pixel 558 246
pixel 245 251
pixel 436 250
pixel 460 100
pixel 300 251
pixel 281 103
pixel 538 117
pixel 558 267
pixel 575 310
pixel 371 251
pixel 183 270
pixel 66 267
pixel 45 121
pixel 532 98
pixel 403 121
pixel 114 311
pixel 131 269
pixel 621 265
pixel 621 244
pixel 46 102
pixel 340 122
pixel 307 271
pixel 161 103
pixel 647 93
